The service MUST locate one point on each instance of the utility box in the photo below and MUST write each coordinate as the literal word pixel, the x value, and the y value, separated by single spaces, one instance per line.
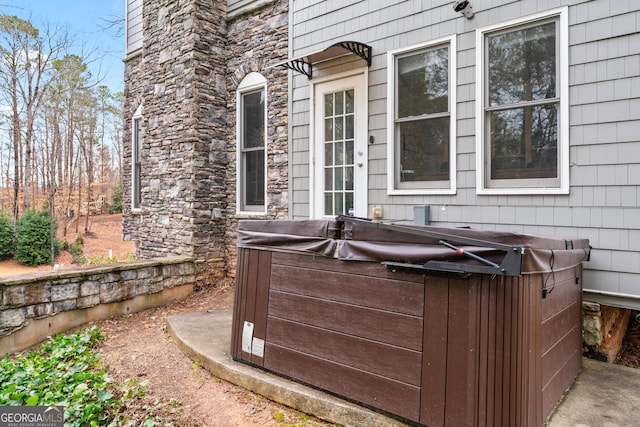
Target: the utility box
pixel 438 326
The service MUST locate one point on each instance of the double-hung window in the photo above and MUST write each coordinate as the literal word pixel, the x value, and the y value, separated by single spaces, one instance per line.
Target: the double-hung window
pixel 522 128
pixel 251 143
pixel 136 159
pixel 421 111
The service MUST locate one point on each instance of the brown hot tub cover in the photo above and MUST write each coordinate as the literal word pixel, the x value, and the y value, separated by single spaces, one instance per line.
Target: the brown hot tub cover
pixel 357 240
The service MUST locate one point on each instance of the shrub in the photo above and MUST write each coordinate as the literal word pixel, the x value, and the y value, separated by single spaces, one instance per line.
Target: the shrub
pixel 7 237
pixel 77 253
pixel 116 199
pixel 33 243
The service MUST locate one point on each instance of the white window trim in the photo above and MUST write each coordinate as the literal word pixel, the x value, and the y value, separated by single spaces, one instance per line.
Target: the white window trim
pixel 252 82
pixel 134 156
pixel 563 88
pixel 391 108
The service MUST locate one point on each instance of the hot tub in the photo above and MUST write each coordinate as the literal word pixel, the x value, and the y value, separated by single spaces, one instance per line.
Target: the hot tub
pixel 438 326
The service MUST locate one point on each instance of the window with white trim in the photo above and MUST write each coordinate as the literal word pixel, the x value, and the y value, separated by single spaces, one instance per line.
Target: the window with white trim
pixel 136 156
pixel 421 97
pixel 251 144
pixel 523 133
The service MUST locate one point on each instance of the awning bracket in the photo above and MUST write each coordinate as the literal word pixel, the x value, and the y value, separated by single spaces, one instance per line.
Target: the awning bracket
pixel 357 48
pixel 300 66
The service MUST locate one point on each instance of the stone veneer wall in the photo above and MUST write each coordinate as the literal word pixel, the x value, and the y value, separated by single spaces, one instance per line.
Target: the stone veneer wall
pixel 38 305
pixel 257 40
pixel 185 78
pixel 179 79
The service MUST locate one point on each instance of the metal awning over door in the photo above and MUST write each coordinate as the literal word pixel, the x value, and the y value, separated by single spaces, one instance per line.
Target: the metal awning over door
pixel 304 63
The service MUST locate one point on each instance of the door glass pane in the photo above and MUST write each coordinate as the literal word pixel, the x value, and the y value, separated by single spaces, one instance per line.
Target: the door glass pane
pixel 328 129
pixel 339 181
pixel 339 152
pixel 348 202
pixel 328 105
pixel 328 154
pixel 339 128
pixel 348 132
pixel 349 102
pixel 348 178
pixel 328 179
pixel 328 203
pixel 339 103
pixel 339 208
pixel 349 152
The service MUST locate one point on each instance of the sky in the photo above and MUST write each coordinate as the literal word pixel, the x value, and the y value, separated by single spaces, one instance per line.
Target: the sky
pixel 85 22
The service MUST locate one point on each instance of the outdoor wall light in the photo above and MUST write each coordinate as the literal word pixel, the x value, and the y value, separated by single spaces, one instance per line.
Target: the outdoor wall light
pixel 464 7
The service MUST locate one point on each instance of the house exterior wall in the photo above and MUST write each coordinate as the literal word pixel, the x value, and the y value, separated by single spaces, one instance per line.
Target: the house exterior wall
pixel 183 82
pixel 603 199
pixel 256 41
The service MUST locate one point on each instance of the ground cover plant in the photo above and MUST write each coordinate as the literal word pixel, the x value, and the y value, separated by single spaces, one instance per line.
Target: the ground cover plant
pixel 66 371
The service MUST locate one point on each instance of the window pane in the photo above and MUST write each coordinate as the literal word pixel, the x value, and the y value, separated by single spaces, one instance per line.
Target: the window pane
pixel 424 150
pixel 423 83
pixel 137 167
pixel 253 119
pixel 254 177
pixel 522 65
pixel 525 142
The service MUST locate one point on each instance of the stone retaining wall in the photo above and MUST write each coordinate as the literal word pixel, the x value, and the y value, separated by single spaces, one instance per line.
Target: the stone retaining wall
pixel 38 305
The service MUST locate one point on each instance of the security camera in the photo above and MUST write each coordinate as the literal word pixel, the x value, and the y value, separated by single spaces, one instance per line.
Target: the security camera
pixel 464 7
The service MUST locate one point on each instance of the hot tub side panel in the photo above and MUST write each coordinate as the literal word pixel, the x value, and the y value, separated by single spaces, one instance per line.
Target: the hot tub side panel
pixel 351 328
pixel 561 347
pixel 249 323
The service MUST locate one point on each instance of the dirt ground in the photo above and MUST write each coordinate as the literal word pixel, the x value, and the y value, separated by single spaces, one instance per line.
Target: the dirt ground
pixel 181 393
pixel 104 235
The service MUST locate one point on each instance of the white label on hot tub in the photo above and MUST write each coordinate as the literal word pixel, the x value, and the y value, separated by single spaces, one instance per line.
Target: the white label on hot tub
pixel 258 347
pixel 247 337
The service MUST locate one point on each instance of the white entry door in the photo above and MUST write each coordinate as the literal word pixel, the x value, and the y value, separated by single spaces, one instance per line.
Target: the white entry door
pixel 340 147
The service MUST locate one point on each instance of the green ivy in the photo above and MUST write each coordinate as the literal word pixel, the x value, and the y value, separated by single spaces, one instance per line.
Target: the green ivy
pixel 65 371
